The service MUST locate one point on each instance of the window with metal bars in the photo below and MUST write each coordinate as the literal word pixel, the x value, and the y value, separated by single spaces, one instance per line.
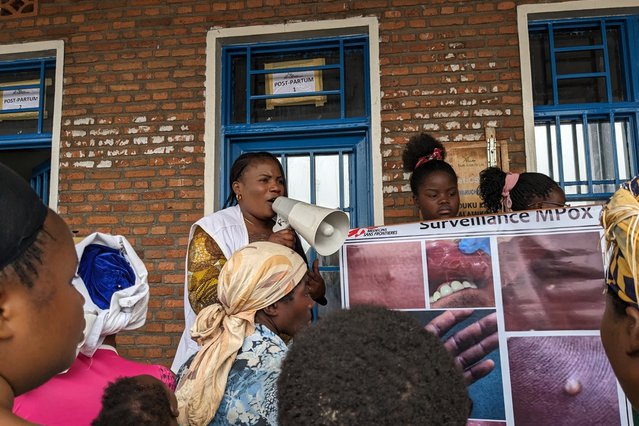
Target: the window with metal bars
pixel 26 117
pixel 308 103
pixel 586 104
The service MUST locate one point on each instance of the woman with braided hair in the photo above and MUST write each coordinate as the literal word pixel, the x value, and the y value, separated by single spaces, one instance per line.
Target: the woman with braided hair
pixel 620 323
pixel 256 179
pixel 501 191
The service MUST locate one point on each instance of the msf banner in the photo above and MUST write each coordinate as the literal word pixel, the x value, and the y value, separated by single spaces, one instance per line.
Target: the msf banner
pixel 519 295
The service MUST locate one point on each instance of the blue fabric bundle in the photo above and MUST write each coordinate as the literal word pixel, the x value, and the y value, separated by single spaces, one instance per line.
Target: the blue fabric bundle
pixel 104 271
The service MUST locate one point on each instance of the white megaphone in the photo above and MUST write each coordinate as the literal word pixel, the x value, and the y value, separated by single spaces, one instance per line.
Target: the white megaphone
pixel 324 229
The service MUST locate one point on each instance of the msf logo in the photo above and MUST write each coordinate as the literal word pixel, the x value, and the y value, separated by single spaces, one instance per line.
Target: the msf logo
pixel 358 232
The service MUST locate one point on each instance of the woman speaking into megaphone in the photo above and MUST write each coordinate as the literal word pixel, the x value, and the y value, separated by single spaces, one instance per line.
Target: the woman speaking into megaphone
pixel 256 180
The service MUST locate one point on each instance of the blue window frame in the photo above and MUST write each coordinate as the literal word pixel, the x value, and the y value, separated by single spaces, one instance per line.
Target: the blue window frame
pixel 328 124
pixel 40 178
pixel 28 127
pixel 320 131
pixel 26 118
pixel 586 102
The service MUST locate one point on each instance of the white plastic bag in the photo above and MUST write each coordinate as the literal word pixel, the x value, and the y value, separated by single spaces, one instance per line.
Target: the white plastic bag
pixel 128 307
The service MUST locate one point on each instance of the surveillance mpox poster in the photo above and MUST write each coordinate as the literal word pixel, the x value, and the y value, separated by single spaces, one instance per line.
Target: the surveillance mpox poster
pixel 518 296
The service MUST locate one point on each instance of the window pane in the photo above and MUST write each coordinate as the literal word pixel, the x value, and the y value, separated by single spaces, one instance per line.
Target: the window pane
pixel 617 72
pixel 580 61
pixel 315 108
pixel 327 184
pixel 600 150
pixel 576 189
pixel 333 291
pixel 583 36
pixel 238 103
pixel 582 90
pixel 298 177
pixel 27 122
pixel 347 180
pixel 302 108
pixel 603 157
pixel 541 72
pixel 545 150
pixel 49 90
pixel 573 156
pixel 329 54
pixel 354 90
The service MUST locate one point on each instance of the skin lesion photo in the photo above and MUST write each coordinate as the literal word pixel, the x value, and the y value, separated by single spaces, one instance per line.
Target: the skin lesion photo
pixel 562 380
pixel 552 282
pixel 386 274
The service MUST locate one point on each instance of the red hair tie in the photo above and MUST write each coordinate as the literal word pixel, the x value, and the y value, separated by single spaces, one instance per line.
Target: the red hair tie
pixel 436 155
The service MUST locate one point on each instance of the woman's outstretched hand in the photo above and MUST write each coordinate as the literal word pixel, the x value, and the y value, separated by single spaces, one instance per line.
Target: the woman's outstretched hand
pixel 469 345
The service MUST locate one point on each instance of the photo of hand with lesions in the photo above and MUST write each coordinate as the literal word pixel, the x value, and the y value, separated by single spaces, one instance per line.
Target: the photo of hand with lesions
pixel 471 338
pixel 552 282
pixel 460 273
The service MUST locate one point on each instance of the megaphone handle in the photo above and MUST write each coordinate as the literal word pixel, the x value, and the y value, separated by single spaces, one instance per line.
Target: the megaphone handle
pixel 280 223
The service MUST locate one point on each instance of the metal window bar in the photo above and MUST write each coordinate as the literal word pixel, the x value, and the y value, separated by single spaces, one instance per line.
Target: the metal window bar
pixel 248 85
pixel 342 85
pixel 613 140
pixel 312 182
pixel 606 58
pixel 341 179
pixel 587 153
pixel 560 161
pixel 553 67
pixel 42 96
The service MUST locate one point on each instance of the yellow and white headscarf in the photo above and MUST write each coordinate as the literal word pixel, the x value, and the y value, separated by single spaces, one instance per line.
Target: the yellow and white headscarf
pixel 255 277
pixel 620 219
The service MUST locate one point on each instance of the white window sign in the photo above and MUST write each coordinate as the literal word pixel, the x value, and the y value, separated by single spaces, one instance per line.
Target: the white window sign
pixel 20 98
pixel 293 82
pixel 303 81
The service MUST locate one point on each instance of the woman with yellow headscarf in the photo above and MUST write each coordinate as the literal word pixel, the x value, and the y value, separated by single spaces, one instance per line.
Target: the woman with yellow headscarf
pixel 231 380
pixel 620 323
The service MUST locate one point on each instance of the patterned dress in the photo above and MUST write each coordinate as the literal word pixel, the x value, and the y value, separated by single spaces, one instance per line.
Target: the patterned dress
pixel 250 397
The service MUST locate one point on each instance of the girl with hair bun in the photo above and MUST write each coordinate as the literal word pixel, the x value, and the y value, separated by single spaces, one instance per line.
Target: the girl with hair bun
pixel 433 181
pixel 501 191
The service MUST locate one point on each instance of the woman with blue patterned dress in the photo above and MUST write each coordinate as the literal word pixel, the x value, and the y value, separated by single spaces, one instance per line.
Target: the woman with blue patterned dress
pixel 263 294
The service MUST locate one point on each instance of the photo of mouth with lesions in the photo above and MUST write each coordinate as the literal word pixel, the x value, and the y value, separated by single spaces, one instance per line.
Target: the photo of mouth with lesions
pixel 460 273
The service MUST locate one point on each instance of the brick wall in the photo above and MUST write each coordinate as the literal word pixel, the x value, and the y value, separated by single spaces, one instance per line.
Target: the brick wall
pixel 132 147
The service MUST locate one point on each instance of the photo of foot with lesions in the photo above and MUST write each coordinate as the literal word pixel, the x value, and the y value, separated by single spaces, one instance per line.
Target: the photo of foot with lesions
pixel 460 273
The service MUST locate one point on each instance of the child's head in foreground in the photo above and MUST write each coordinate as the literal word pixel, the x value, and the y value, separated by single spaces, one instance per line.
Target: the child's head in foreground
pixel 369 365
pixel 137 401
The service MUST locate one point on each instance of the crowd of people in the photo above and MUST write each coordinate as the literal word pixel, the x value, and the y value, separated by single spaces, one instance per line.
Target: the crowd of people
pixel 248 291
